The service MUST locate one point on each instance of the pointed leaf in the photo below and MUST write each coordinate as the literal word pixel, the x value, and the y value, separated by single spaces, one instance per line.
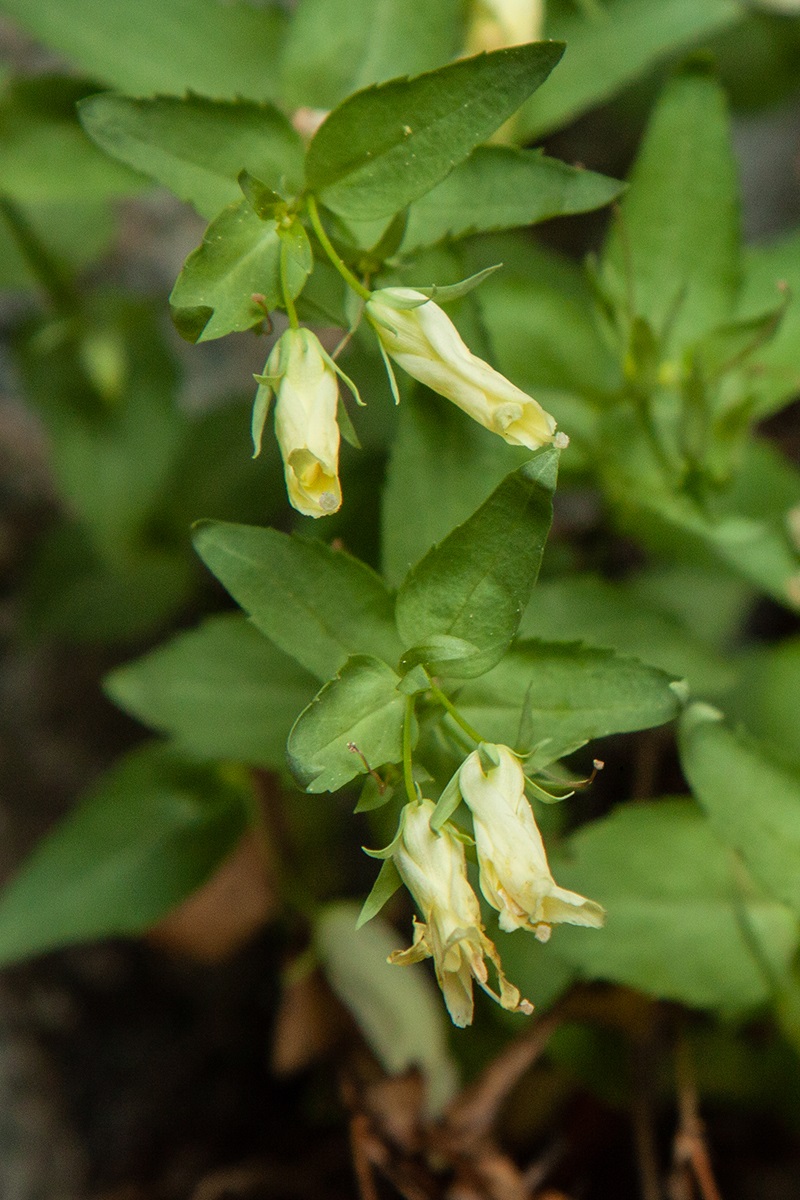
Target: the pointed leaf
pixel 317 604
pixel 678 229
pixel 681 923
pixel 397 1009
pixel 221 691
pixel 238 258
pixel 753 804
pixel 500 187
pixel 148 834
pixel 388 145
pixel 476 583
pixel 432 443
pixel 355 720
pixel 612 615
pixel 152 46
pixel 195 146
pixel 572 693
pixel 335 47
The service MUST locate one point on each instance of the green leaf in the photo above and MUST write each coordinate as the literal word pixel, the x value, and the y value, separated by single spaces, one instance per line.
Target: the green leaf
pixel 112 453
pixel 611 615
pixel 610 46
pixel 398 1009
pixel 431 445
pixel 767 699
pixel 73 594
pixel 752 803
pixel 335 47
pixel 196 146
pixel 45 156
pixel 475 584
pixel 238 258
pixel 682 924
pixel 748 532
pixel 221 691
pixel 317 604
pixel 500 187
pixel 678 229
pixel 571 694
pixel 357 716
pixel 296 250
pixel 388 145
pixel 72 233
pixel 153 46
pixel 147 835
pixel 538 313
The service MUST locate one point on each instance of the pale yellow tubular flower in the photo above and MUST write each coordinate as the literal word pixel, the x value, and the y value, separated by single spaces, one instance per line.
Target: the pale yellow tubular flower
pixel 498 23
pixel 433 868
pixel 305 422
pixel 425 343
pixel 514 874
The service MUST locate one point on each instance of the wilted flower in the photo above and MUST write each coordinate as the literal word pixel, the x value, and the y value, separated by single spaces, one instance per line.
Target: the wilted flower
pixel 514 874
pixel 433 868
pixel 424 341
pixel 498 23
pixel 302 376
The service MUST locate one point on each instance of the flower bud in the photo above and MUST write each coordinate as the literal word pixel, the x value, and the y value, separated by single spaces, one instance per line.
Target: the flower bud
pixel 302 377
pixel 425 343
pixel 433 868
pixel 514 874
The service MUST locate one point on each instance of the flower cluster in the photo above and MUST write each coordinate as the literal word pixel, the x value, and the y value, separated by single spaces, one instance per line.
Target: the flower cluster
pixel 514 877
pixel 433 868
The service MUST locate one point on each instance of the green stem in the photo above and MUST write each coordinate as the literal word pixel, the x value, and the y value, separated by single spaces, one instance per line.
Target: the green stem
pixel 408 771
pixel 440 698
pixel 345 272
pixel 288 302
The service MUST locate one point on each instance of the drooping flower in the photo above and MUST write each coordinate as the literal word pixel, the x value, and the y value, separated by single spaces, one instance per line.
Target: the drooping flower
pixel 302 377
pixel 514 874
pixel 433 868
pixel 498 23
pixel 422 339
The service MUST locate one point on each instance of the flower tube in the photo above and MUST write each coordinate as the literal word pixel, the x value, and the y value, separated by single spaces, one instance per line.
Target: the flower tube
pixel 423 340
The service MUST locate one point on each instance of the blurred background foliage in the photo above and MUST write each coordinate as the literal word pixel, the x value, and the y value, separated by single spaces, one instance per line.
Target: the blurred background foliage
pixel 200 1047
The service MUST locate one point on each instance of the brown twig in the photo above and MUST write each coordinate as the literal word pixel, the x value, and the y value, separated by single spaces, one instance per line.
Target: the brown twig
pixel 691 1157
pixel 474 1111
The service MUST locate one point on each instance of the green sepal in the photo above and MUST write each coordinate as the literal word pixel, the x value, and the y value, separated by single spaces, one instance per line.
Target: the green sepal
pixel 389 372
pixel 346 426
pixel 454 291
pixel 489 758
pixel 447 803
pixel 383 889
